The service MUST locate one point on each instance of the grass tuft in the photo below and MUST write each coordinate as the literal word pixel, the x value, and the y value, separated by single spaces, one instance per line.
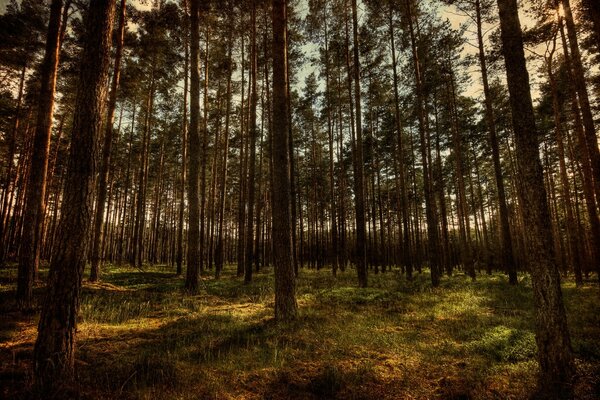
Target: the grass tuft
pixel 140 336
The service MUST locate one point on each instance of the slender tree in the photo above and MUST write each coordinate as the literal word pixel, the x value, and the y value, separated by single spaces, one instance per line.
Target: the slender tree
pixel 359 189
pixel 193 245
pixel 97 242
pixel 285 281
pixel 251 185
pixel 35 193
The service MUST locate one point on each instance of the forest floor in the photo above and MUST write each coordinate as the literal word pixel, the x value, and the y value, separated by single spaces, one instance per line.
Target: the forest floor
pixel 141 337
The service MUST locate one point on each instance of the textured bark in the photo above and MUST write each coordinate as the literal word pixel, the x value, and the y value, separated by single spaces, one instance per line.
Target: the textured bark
pixel 462 206
pixel 193 245
pixel 508 259
pixel 9 188
pixel 430 206
pixel 584 102
pixel 184 145
pixel 97 242
pixel 335 250
pixel 29 254
pixel 286 307
pixel 584 156
pixel 249 236
pixel 552 335
pixel 359 189
pixel 406 247
pixel 54 352
pixel 204 153
pixel 219 251
pixel 572 232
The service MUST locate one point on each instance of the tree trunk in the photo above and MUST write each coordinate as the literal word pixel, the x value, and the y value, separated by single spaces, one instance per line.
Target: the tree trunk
pixel 204 154
pixel 97 242
pixel 584 101
pixel 552 335
pixel 219 251
pixel 249 236
pixel 430 207
pixel 193 245
pixel 572 234
pixel 35 194
pixel 54 352
pixel 184 145
pixel 406 249
pixel 585 157
pixel 359 189
pixel 507 257
pixel 285 281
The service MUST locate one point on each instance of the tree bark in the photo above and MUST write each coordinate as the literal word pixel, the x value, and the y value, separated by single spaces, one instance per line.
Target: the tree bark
pixel 193 245
pixel 359 189
pixel 219 251
pixel 507 257
pixel 552 335
pixel 54 352
pixel 184 145
pixel 406 256
pixel 430 206
pixel 286 307
pixel 97 242
pixel 29 254
pixel 584 102
pixel 249 236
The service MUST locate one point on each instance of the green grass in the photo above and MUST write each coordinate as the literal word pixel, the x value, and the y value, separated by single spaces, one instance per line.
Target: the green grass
pixel 141 337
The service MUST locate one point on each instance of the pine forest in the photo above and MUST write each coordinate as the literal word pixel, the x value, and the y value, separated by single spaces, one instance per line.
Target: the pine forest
pixel 300 199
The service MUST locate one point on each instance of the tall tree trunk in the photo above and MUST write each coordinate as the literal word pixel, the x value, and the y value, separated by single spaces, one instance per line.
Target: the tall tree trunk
pixel 9 187
pixel 249 236
pixel 430 207
pixel 193 245
pixel 406 255
pixel 204 152
pixel 219 252
pixel 54 352
pixel 334 225
pixel 584 101
pixel 552 334
pixel 242 170
pixel 507 258
pixel 29 254
pixel 184 145
pixel 97 242
pixel 285 281
pixel 140 213
pixel 463 208
pixel 572 234
pixel 584 155
pixel 359 189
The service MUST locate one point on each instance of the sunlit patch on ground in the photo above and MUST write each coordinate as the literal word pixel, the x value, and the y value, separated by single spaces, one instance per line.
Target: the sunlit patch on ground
pixel 141 337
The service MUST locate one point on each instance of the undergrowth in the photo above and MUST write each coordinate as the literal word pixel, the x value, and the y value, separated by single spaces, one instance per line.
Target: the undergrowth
pixel 141 337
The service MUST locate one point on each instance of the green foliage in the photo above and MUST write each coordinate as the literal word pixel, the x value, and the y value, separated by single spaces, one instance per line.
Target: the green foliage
pixel 506 344
pixel 140 336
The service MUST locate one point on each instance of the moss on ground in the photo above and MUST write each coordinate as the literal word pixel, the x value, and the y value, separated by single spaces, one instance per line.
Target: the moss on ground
pixel 141 337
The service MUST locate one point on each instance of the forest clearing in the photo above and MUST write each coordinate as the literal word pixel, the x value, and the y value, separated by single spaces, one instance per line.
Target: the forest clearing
pixel 305 199
pixel 142 338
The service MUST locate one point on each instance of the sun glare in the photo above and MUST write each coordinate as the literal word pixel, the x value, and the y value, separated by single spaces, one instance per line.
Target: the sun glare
pixel 561 11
